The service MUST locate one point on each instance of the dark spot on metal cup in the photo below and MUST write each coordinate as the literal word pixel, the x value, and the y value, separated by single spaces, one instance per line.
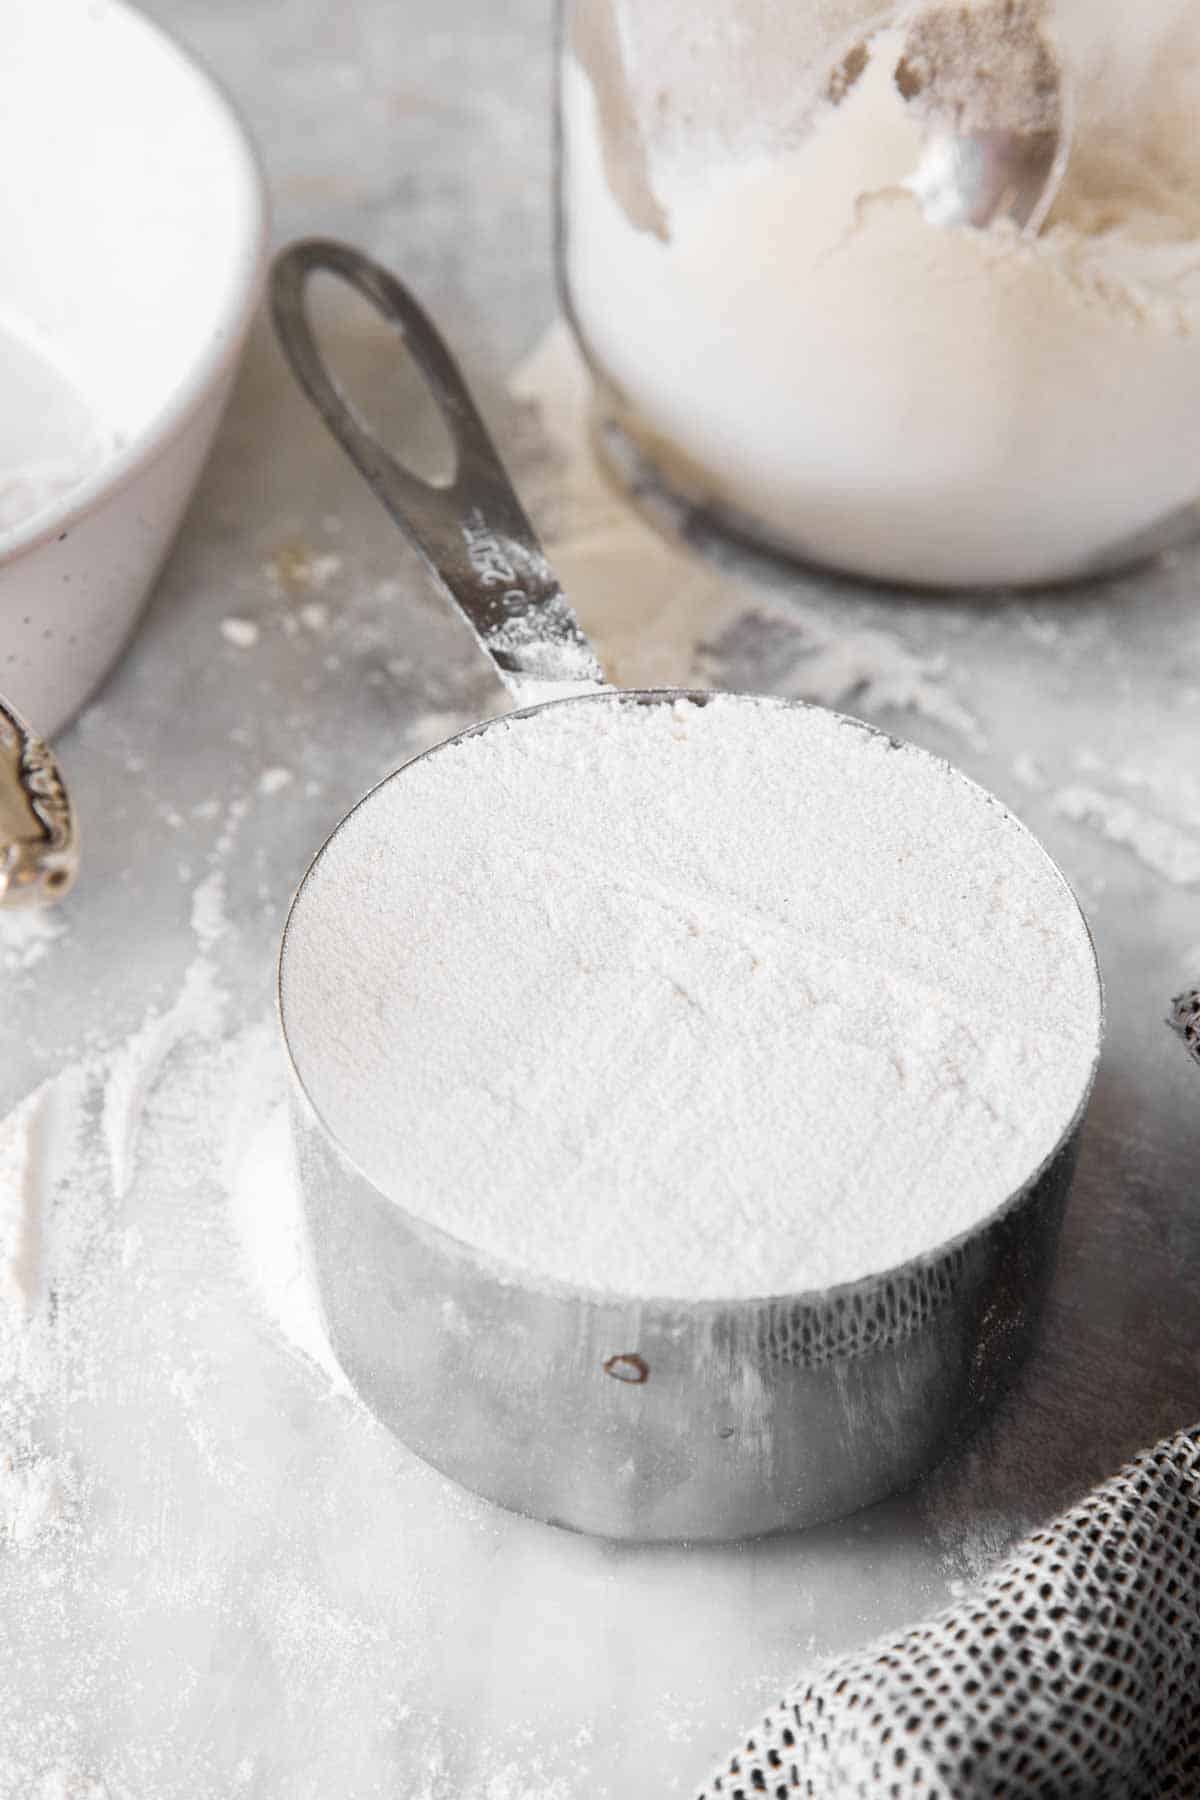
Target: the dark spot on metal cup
pixel 630 1367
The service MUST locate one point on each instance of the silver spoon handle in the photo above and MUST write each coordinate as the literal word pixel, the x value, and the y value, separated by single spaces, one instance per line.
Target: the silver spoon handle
pixel 39 845
pixel 473 532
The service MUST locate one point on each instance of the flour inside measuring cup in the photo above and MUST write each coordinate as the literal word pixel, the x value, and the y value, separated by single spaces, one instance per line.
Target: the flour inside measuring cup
pixel 689 1000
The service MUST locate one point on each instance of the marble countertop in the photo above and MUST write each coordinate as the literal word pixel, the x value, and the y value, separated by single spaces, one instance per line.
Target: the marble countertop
pixel 231 1580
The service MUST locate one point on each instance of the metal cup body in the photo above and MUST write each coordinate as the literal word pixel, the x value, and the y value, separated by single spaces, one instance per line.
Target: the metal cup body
pixel 655 1419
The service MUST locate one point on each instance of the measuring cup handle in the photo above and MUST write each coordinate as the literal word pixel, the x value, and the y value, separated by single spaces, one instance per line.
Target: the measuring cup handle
pixel 473 531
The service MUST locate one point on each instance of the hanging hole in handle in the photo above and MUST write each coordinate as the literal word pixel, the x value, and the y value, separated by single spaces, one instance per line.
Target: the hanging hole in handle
pixel 379 378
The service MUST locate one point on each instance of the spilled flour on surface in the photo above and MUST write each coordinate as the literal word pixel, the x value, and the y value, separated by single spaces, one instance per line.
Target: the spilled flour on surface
pixel 208 910
pixel 273 780
pixel 972 1545
pixel 1028 771
pixel 867 672
pixel 243 634
pixel 134 1183
pixel 431 728
pixel 37 1142
pixel 1161 845
pixel 34 1492
pixel 136 1065
pixel 26 936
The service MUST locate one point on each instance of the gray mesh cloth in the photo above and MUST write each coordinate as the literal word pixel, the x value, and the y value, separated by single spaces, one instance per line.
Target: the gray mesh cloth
pixel 1185 1019
pixel 1073 1670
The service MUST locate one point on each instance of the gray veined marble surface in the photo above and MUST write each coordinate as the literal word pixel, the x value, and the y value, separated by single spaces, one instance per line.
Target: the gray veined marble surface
pixel 218 1576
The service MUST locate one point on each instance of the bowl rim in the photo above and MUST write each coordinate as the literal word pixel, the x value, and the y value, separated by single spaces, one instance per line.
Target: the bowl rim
pixel 221 347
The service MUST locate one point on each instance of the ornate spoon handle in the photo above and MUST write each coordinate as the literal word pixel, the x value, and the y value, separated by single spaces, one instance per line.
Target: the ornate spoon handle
pixel 39 846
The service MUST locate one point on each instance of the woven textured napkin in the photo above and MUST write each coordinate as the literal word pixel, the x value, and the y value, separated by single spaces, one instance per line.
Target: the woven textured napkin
pixel 1074 1670
pixel 1185 1019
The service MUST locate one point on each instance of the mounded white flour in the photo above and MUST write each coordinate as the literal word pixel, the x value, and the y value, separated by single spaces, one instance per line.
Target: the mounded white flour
pixel 691 1000
pixel 797 341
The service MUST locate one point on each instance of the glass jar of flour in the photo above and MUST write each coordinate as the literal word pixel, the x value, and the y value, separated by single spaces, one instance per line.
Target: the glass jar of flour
pixel 789 315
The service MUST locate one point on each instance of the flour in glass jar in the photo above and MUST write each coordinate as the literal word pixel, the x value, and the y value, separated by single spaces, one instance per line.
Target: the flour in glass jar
pixel 755 266
pixel 690 1000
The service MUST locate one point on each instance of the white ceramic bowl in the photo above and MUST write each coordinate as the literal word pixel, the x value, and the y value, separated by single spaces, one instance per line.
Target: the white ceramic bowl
pixel 133 224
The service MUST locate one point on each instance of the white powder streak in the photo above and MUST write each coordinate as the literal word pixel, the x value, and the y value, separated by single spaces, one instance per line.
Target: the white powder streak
pixel 34 1492
pixel 1160 845
pixel 66 1783
pixel 20 1202
pixel 243 634
pixel 25 938
pixel 136 1067
pixel 272 781
pixel 37 1140
pixel 208 910
pixel 872 672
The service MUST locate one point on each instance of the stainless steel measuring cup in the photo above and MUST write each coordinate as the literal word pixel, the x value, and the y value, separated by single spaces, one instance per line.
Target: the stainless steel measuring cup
pixel 631 1417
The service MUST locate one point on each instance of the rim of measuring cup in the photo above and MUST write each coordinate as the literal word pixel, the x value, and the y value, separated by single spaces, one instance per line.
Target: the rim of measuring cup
pixel 819 1298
